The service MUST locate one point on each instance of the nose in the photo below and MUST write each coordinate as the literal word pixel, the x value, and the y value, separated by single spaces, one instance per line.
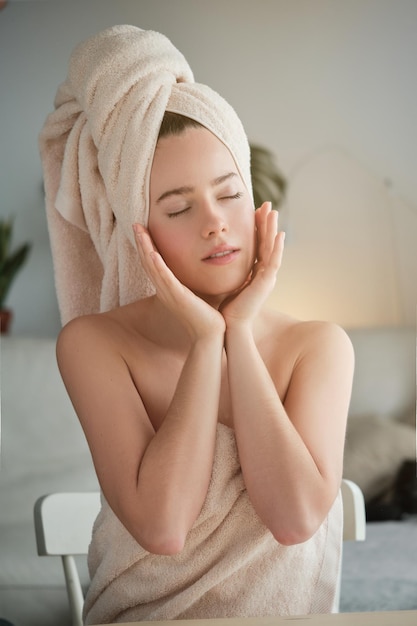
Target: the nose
pixel 213 221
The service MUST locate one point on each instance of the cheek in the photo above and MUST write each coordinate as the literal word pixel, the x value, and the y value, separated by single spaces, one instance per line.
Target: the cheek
pixel 250 230
pixel 169 245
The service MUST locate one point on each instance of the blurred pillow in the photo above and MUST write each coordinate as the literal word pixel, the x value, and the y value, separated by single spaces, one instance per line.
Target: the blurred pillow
pixel 375 449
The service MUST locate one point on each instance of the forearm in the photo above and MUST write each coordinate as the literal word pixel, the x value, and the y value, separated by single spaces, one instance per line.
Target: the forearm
pixel 283 480
pixel 175 471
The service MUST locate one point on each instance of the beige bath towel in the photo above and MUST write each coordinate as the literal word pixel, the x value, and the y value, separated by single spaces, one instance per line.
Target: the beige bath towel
pixel 231 565
pixel 96 149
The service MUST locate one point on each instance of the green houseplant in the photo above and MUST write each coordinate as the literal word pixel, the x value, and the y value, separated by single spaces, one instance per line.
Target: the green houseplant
pixel 268 182
pixel 11 261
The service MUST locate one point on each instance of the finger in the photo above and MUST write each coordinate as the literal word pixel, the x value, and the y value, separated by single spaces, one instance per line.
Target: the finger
pixel 278 251
pixel 138 232
pixel 268 268
pixel 260 229
pixel 271 233
pixel 267 230
pixel 146 249
pixel 262 217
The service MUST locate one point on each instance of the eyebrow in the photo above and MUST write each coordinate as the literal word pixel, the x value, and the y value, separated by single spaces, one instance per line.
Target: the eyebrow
pixel 179 191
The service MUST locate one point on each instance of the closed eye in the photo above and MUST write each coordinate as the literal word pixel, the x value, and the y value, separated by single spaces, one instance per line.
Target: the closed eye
pixel 177 213
pixel 237 195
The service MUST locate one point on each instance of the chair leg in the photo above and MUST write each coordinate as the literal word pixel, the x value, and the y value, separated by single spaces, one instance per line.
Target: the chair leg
pixel 74 590
pixel 336 605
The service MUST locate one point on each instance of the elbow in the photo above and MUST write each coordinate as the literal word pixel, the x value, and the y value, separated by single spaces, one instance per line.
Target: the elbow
pixel 293 533
pixel 302 522
pixel 161 542
pixel 291 536
pixel 163 546
pixel 158 533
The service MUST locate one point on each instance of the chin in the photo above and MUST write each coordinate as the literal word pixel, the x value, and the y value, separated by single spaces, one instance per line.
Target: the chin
pixel 216 298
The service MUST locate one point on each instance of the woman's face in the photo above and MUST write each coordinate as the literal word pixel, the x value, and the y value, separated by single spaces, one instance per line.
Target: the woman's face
pixel 201 215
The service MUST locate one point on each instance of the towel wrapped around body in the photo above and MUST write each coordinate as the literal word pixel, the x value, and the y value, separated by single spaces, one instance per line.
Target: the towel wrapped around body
pixel 231 566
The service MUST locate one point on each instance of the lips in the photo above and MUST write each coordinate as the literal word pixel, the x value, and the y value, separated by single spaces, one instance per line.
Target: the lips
pixel 221 254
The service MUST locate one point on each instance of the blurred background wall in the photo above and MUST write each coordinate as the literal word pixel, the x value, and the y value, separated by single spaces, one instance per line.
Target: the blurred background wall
pixel 327 85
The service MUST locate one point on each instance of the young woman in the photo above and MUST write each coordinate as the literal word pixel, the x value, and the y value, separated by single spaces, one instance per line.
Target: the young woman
pixel 216 426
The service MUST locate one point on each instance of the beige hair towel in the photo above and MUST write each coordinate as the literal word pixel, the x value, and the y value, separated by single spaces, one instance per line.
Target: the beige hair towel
pixel 97 148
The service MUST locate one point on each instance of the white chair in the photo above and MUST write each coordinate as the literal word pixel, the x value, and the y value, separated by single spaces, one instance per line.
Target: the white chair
pixel 354 517
pixel 64 521
pixel 63 527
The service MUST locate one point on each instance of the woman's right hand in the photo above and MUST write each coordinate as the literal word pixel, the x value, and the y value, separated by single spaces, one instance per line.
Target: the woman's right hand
pixel 199 318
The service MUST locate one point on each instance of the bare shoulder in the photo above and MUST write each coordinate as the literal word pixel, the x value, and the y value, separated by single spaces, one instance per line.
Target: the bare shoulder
pixel 322 336
pixel 328 344
pixel 300 338
pixel 83 334
pixel 97 334
pixel 312 365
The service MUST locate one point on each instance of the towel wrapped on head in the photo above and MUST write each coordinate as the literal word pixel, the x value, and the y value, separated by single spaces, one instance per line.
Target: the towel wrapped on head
pixel 97 148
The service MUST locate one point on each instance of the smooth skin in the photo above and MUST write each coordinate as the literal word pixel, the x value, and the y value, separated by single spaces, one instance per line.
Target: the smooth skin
pixel 150 381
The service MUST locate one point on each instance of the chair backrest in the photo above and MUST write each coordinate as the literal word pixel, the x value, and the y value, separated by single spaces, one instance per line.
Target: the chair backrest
pixel 354 514
pixel 63 527
pixel 64 522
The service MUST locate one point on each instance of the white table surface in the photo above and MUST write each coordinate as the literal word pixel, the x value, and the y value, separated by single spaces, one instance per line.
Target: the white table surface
pixel 373 618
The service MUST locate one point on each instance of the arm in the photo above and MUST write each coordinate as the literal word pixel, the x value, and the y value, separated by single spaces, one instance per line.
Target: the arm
pixel 156 483
pixel 291 449
pixel 175 471
pixel 291 452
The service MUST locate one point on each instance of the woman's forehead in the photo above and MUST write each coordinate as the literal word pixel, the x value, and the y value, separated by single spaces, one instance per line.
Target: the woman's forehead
pixel 197 152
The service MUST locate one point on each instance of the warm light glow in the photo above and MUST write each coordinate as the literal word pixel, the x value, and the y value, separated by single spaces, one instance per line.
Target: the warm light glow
pixel 343 260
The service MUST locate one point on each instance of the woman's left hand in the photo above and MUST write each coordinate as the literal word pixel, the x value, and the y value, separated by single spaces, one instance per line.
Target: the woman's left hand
pixel 243 306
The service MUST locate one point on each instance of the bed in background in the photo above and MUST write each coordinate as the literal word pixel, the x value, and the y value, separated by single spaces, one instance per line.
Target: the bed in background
pixel 380 456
